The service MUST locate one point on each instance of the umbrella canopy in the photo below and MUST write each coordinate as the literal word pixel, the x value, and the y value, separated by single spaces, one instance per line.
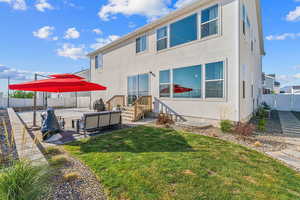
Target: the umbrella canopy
pixel 177 89
pixel 59 83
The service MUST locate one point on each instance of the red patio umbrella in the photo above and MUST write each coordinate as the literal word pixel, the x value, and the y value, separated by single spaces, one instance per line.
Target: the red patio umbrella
pixel 177 89
pixel 59 83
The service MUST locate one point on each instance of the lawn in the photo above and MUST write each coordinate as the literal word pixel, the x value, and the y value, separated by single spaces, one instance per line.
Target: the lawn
pixel 162 164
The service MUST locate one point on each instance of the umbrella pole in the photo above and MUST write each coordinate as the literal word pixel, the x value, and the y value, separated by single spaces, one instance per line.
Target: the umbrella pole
pixel 34 104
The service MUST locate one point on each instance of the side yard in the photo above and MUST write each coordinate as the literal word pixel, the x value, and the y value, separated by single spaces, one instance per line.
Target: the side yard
pixel 155 163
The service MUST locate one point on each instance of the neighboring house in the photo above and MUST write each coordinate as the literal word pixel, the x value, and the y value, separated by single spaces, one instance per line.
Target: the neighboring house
pixel 291 89
pixel 270 85
pixel 203 62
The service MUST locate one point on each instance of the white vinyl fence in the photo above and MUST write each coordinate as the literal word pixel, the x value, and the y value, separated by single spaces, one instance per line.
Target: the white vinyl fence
pixel 283 102
pixel 82 102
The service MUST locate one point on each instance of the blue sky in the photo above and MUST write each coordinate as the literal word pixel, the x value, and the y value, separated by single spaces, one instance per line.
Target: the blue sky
pixel 51 36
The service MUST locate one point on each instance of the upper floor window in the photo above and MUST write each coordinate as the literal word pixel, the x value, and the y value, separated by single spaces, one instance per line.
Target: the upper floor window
pixel 209 21
pixel 141 44
pixel 183 31
pixel 162 38
pixel 98 61
pixel 246 20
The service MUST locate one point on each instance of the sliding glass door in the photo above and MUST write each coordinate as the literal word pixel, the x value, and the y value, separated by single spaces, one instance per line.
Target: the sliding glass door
pixel 138 86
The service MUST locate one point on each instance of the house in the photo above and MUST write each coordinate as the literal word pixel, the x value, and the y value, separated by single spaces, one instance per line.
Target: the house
pixel 201 63
pixel 270 85
pixel 291 89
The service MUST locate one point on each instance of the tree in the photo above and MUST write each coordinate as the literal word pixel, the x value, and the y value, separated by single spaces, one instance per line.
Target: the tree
pixel 22 95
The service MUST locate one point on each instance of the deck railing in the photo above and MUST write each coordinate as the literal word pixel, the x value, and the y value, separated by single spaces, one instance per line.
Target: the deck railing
pixel 142 106
pixel 117 100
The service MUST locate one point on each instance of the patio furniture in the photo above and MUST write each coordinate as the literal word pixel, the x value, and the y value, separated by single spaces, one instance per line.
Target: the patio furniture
pixel 92 122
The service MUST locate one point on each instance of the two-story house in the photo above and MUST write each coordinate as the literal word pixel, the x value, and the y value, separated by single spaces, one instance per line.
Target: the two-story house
pixel 202 62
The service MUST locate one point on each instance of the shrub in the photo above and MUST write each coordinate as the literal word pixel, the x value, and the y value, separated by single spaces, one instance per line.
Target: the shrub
pixel 262 125
pixel 164 119
pixel 226 126
pixel 244 129
pixel 71 176
pixel 53 151
pixel 59 160
pixel 262 113
pixel 22 181
pixel 266 106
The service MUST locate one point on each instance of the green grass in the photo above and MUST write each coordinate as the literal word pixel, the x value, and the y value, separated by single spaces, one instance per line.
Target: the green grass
pixel 160 164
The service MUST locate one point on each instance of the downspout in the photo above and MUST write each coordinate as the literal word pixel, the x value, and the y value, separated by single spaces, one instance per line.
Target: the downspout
pixel 239 61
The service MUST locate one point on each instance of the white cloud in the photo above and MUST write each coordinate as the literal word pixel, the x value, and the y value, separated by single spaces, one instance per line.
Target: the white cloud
pixel 42 5
pixel 16 4
pixel 152 9
pixel 97 31
pixel 55 38
pixel 44 32
pixel 283 36
pixel 100 42
pixel 71 51
pixel 294 15
pixel 15 74
pixel 182 3
pixel 297 76
pixel 72 33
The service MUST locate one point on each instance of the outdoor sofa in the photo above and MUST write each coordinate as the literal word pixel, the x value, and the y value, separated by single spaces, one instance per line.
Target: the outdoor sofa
pixel 92 122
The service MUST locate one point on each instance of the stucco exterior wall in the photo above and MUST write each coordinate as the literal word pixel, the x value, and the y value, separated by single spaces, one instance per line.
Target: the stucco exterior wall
pixel 122 61
pixel 250 64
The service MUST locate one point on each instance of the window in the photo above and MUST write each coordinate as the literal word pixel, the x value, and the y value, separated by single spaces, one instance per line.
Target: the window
pixel 187 82
pixel 246 21
pixel 98 61
pixel 244 89
pixel 162 38
pixel 214 80
pixel 209 21
pixel 164 83
pixel 183 31
pixel 141 44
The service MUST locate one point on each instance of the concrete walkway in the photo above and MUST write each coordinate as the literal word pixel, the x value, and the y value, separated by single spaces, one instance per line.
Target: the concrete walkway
pixel 291 136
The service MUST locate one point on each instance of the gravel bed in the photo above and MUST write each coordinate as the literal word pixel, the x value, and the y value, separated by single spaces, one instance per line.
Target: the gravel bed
pixel 85 187
pixel 8 150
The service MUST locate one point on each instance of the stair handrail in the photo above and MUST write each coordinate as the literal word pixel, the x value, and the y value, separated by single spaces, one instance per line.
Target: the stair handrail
pixel 110 101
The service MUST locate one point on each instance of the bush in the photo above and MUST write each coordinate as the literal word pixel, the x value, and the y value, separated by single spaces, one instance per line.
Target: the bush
pixel 262 125
pixel 52 151
pixel 266 106
pixel 71 176
pixel 59 160
pixel 164 119
pixel 226 126
pixel 262 113
pixel 244 129
pixel 22 181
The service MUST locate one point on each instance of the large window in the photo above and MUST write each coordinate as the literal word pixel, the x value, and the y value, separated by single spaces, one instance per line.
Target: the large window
pixel 214 80
pixel 162 38
pixel 183 31
pixel 165 83
pixel 98 61
pixel 209 21
pixel 141 44
pixel 187 82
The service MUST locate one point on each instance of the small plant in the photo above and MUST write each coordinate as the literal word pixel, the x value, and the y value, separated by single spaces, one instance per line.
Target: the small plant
pixel 71 176
pixel 59 160
pixel 258 144
pixel 53 151
pixel 164 119
pixel 262 113
pixel 244 129
pixel 262 125
pixel 226 126
pixel 22 181
pixel 266 106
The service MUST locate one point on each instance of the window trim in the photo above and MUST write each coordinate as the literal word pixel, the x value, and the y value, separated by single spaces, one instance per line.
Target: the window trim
pixel 219 19
pixel 215 80
pixel 166 37
pixel 169 83
pixel 199 39
pixel 203 82
pixel 147 43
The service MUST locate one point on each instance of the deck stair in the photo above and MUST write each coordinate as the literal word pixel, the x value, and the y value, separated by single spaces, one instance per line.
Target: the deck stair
pixel 128 113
